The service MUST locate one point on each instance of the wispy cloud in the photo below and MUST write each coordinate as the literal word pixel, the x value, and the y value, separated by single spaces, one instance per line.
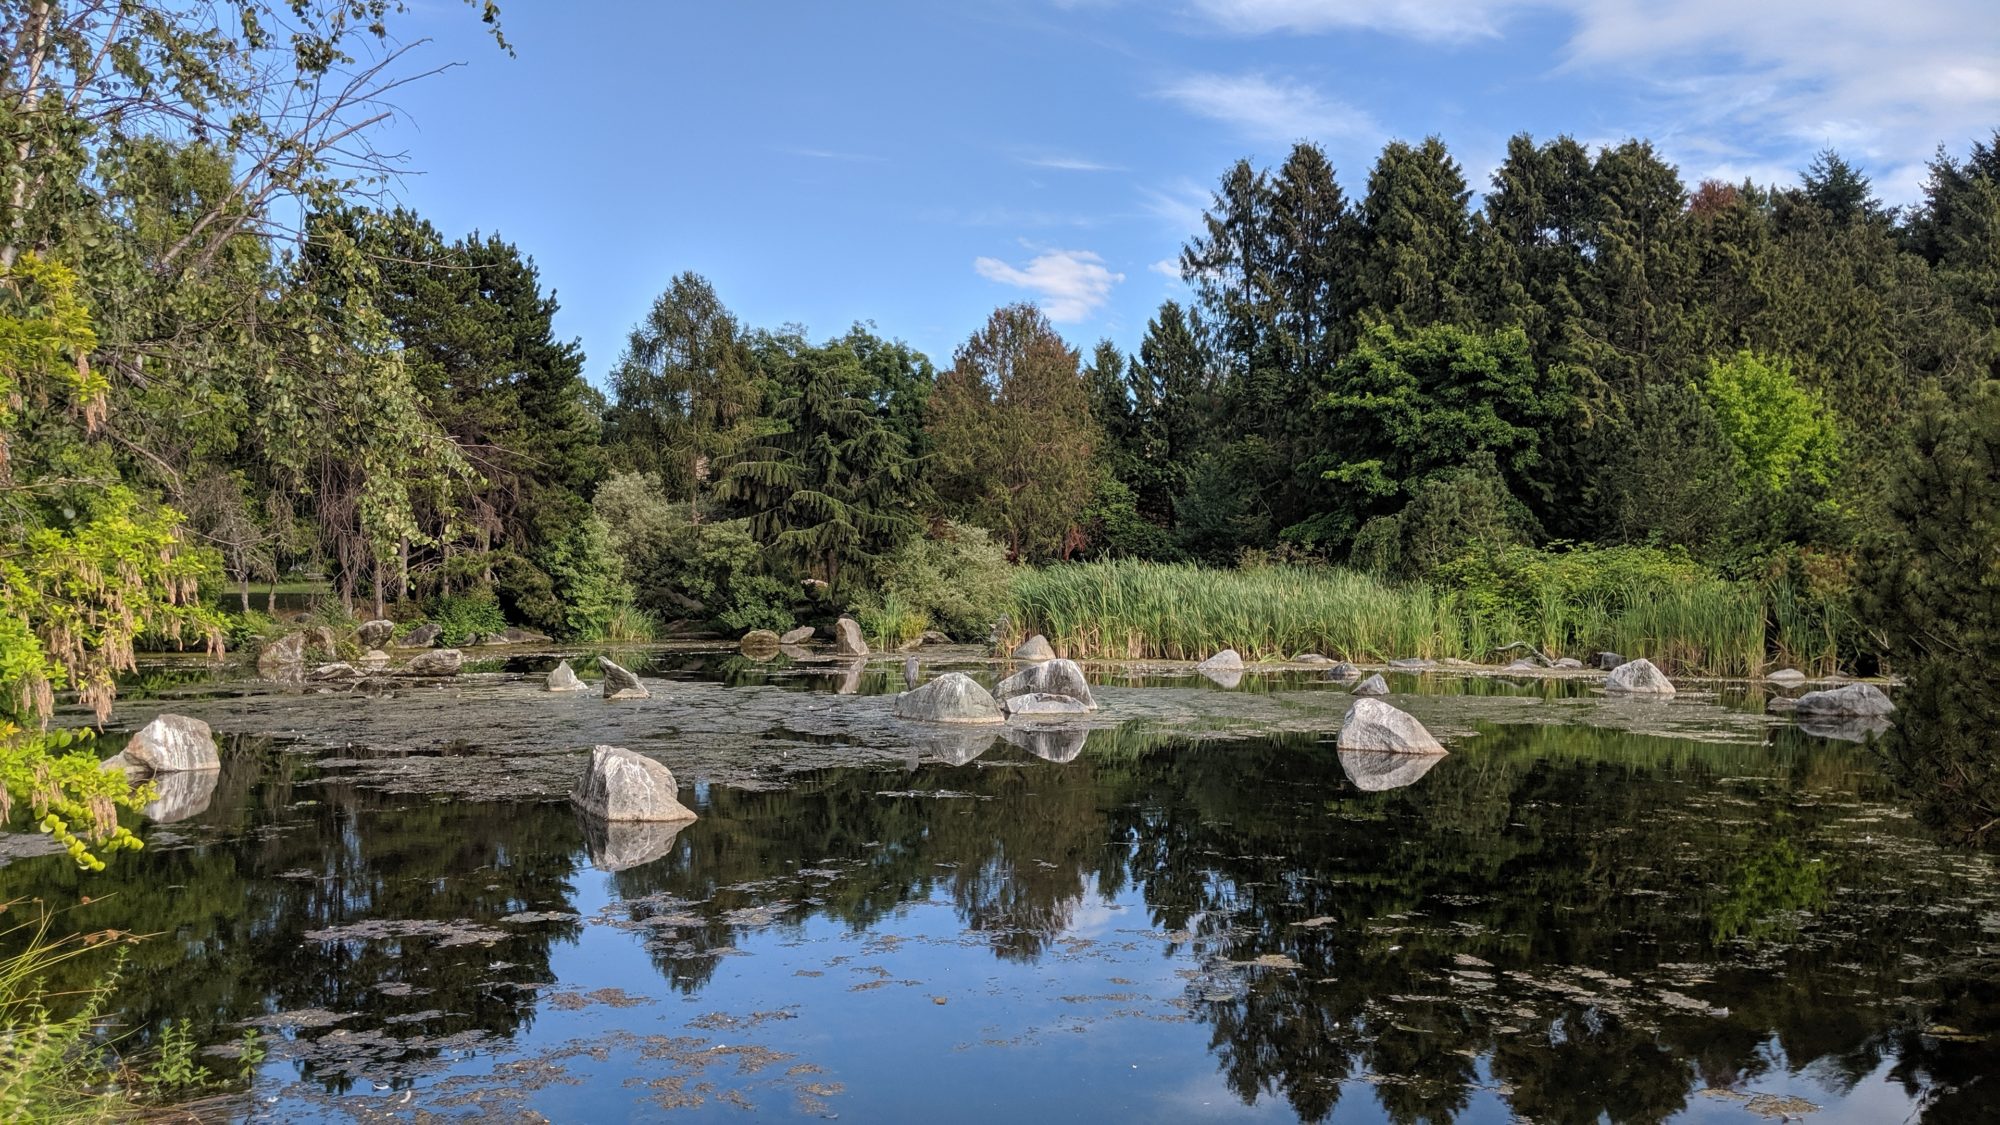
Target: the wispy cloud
pixel 1069 164
pixel 1167 267
pixel 1068 284
pixel 1422 19
pixel 834 154
pixel 1269 109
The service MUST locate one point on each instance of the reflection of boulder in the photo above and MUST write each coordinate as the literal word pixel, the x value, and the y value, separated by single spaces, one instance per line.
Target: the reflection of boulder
pixel 1373 771
pixel 1844 728
pixel 618 845
pixel 1053 744
pixel 850 678
pixel 953 747
pixel 183 794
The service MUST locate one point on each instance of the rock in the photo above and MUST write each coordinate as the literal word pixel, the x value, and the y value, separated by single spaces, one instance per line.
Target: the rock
pixel 933 637
pixel 1375 726
pixel 619 845
pixel 1225 661
pixel 1053 677
pixel 374 660
pixel 513 636
pixel 847 638
pixel 1567 662
pixel 1787 676
pixel 423 636
pixel 1051 744
pixel 1042 703
pixel 376 633
pixel 437 662
pixel 1606 661
pixel 797 636
pixel 182 794
pixel 282 657
pixel 171 743
pixel 1638 677
pixel 1856 700
pixel 620 683
pixel 1036 647
pixel 1343 671
pixel 321 637
pixel 563 678
pixel 1311 658
pixel 1373 685
pixel 1522 666
pixel 951 698
pixel 760 641
pixel 619 784
pixel 1412 664
pixel 1376 771
pixel 339 670
pixel 1455 662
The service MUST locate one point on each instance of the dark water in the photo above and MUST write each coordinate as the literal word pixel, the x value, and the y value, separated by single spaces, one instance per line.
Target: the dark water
pixel 1556 923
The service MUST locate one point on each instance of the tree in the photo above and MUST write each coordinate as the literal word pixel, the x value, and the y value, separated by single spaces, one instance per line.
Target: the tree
pixel 1416 236
pixel 1839 189
pixel 1778 430
pixel 1014 437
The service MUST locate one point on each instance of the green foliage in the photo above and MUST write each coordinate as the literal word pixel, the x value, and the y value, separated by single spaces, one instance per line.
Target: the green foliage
pixel 712 573
pixel 54 1066
pixel 1449 513
pixel 957 579
pixel 891 622
pixel 466 615
pixel 57 780
pixel 588 578
pixel 1778 430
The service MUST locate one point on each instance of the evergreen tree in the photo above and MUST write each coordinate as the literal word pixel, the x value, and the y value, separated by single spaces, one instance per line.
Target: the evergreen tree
pixel 1416 237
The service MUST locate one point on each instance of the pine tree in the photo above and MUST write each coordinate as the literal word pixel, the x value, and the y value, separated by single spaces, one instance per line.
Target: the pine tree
pixel 1416 238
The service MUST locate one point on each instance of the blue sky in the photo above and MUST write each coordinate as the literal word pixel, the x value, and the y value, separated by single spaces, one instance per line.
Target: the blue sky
pixel 917 164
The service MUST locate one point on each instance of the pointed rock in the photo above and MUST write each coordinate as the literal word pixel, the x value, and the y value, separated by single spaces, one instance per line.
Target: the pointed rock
pixel 1052 677
pixel 1375 726
pixel 797 636
pixel 1373 685
pixel 563 678
pixel 951 698
pixel 619 784
pixel 847 638
pixel 423 636
pixel 620 683
pixel 1036 647
pixel 1638 677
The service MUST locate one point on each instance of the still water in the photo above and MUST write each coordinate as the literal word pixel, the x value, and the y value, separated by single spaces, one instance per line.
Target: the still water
pixel 1560 922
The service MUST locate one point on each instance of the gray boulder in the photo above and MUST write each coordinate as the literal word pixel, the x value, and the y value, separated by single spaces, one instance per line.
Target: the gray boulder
pixel 1053 677
pixel 1343 671
pixel 1847 700
pixel 797 636
pixel 1042 703
pixel 1376 771
pixel 423 636
pixel 285 656
pixel 619 784
pixel 1638 677
pixel 337 671
pixel 847 638
pixel 376 633
pixel 172 743
pixel 1606 661
pixel 563 678
pixel 1373 685
pixel 1375 726
pixel 1787 676
pixel 1311 658
pixel 620 683
pixel 1413 664
pixel 1567 662
pixel 1036 647
pixel 951 698
pixel 437 662
pixel 1225 661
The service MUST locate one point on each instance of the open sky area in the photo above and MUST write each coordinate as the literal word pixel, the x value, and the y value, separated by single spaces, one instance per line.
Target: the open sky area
pixel 916 164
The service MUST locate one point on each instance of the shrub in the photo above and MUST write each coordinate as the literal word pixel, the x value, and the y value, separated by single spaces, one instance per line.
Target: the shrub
pixel 957 580
pixel 678 569
pixel 463 616
pixel 892 622
pixel 588 579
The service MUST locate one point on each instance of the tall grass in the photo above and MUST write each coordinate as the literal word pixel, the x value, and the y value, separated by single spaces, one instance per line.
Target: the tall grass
pixel 53 1067
pixel 1140 610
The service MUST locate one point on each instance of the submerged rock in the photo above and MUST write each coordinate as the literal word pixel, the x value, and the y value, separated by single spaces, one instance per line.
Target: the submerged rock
pixel 1859 700
pixel 951 698
pixel 172 743
pixel 1373 685
pixel 1413 664
pixel 1051 744
pixel 619 682
pixel 1567 662
pixel 619 845
pixel 1036 647
pixel 1343 671
pixel 423 636
pixel 438 662
pixel 563 678
pixel 797 636
pixel 1043 703
pixel 1053 677
pixel 1376 771
pixel 1787 676
pixel 1311 658
pixel 376 633
pixel 619 784
pixel 847 638
pixel 1638 677
pixel 1376 726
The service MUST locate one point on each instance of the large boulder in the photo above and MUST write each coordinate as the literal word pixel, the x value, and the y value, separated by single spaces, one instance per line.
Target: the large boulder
pixel 173 743
pixel 1053 677
pixel 619 784
pixel 563 678
pixel 797 636
pixel 376 633
pixel 1373 685
pixel 1376 771
pixel 760 644
pixel 423 636
pixel 1042 703
pixel 847 638
pixel 1035 648
pixel 619 682
pixel 283 657
pixel 1225 661
pixel 1638 677
pixel 951 698
pixel 1848 701
pixel 437 662
pixel 1374 726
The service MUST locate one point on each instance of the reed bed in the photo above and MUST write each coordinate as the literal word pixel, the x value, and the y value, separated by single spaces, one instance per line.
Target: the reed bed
pixel 1141 610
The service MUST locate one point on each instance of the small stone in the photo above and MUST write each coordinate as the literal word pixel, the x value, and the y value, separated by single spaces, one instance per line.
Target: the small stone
pixel 797 636
pixel 1373 685
pixel 1035 648
pixel 620 683
pixel 1343 671
pixel 563 678
pixel 1787 676
pixel 1606 661
pixel 760 641
pixel 1567 662
pixel 376 633
pixel 1412 664
pixel 1311 658
pixel 1225 661
pixel 338 670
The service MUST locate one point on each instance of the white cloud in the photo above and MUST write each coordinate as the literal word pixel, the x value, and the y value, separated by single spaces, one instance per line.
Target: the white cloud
pixel 1269 109
pixel 1068 284
pixel 1069 164
pixel 1420 19
pixel 1167 267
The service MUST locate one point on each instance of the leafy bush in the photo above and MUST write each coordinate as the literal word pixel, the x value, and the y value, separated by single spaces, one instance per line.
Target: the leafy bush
pixel 463 616
pixel 892 622
pixel 589 580
pixel 56 777
pixel 678 569
pixel 524 592
pixel 957 580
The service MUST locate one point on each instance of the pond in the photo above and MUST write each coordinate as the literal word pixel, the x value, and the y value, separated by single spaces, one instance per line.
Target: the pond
pixel 1192 908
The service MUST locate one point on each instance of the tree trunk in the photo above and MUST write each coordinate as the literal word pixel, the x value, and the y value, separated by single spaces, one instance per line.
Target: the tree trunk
pixel 243 590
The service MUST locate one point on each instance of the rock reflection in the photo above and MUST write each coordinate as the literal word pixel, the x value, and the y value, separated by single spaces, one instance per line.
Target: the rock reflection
pixel 1051 744
pixel 1376 771
pixel 953 746
pixel 623 844
pixel 183 794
